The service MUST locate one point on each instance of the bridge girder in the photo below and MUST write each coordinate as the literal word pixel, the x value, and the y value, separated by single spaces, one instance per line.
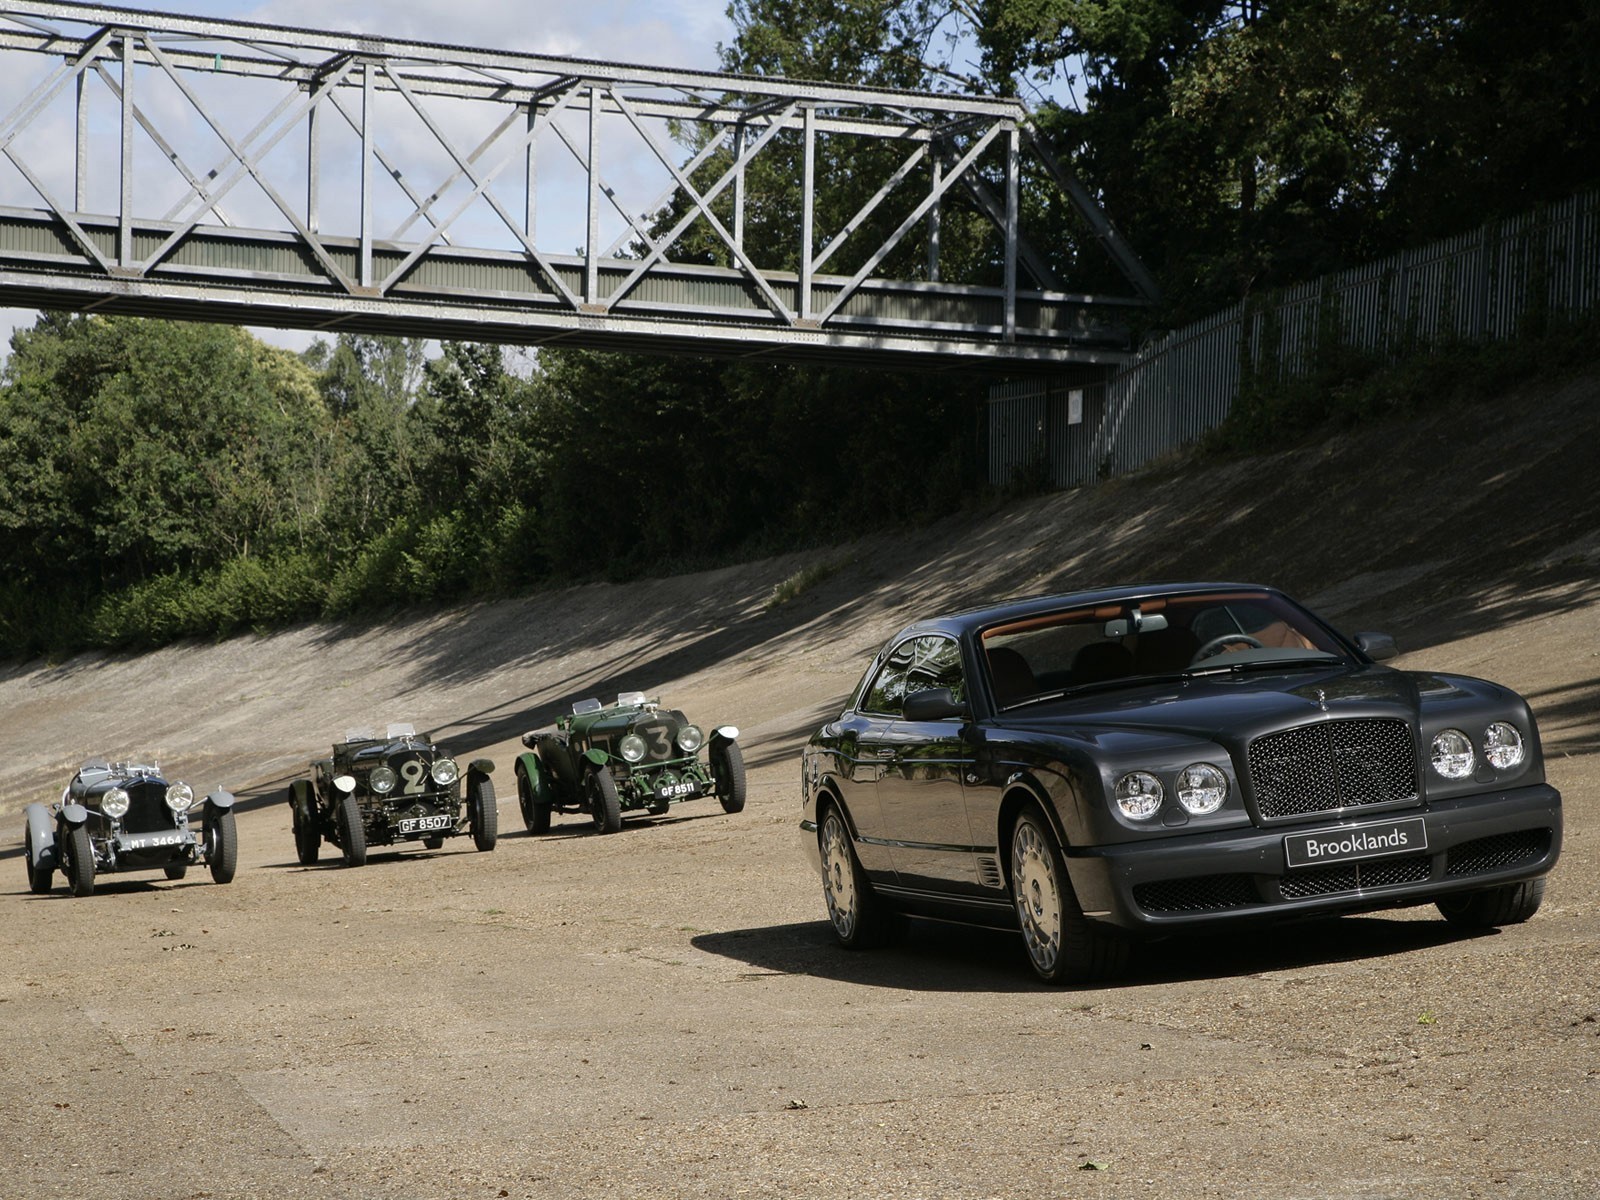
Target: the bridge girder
pixel 225 170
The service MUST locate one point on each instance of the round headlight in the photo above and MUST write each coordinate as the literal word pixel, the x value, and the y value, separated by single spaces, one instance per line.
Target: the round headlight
pixel 1502 745
pixel 1139 795
pixel 632 748
pixel 382 780
pixel 114 803
pixel 690 739
pixel 180 796
pixel 1201 788
pixel 445 772
pixel 1452 754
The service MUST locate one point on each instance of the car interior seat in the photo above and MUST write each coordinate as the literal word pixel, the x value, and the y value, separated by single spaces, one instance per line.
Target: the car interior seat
pixel 1011 675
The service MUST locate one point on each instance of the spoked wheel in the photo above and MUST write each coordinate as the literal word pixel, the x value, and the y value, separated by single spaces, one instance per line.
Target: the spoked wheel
pixel 352 833
pixel 727 767
pixel 483 812
pixel 860 919
pixel 80 861
pixel 38 876
pixel 1510 904
pixel 1062 945
pixel 605 806
pixel 222 844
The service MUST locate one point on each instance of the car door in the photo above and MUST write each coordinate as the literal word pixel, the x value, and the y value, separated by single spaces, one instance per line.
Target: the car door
pixel 920 790
pixel 863 749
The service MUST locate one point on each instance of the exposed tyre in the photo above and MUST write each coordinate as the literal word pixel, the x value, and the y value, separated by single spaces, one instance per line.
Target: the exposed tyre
pixel 307 837
pixel 79 865
pixel 222 844
pixel 1062 945
pixel 433 843
pixel 605 806
pixel 175 870
pixel 1510 904
pixel 352 833
pixel 727 768
pixel 38 877
pixel 535 813
pixel 861 921
pixel 482 811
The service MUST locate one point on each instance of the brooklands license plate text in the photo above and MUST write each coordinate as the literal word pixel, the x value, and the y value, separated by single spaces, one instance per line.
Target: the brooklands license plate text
pixel 1407 836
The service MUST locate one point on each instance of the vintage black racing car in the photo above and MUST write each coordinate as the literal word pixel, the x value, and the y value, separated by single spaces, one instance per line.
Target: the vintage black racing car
pixel 632 756
pixel 1148 760
pixel 127 816
pixel 389 790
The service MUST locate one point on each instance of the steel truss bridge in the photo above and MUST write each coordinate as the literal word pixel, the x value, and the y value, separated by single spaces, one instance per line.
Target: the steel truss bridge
pixel 218 170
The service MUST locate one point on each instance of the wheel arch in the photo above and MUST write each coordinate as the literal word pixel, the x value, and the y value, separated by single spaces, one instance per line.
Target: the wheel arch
pixel 1024 790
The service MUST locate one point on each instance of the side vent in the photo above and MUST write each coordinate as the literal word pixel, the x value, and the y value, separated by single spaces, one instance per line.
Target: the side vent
pixel 989 873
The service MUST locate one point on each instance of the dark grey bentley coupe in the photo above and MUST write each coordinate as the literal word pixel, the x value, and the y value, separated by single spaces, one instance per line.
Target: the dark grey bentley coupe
pixel 1146 760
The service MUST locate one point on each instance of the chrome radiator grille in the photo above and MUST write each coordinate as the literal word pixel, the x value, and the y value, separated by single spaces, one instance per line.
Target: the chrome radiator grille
pixel 1333 765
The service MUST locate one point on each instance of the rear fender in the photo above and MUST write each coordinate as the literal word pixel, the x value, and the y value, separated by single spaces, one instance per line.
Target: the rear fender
pixel 532 768
pixel 42 829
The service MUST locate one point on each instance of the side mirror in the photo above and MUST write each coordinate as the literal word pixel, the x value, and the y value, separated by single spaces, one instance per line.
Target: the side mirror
pixel 934 704
pixel 1377 646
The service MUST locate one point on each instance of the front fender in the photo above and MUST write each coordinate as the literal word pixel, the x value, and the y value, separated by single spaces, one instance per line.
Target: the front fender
pixel 43 831
pixel 597 756
pixel 74 814
pixel 220 798
pixel 481 766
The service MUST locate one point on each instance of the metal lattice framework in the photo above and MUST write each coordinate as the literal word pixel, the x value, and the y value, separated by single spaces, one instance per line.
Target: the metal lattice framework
pixel 218 170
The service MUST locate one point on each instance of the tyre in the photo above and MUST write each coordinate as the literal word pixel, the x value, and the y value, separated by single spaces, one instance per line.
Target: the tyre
pixel 482 811
pixel 535 814
pixel 38 877
pixel 79 865
pixel 605 806
pixel 307 837
pixel 1062 945
pixel 861 921
pixel 433 843
pixel 727 767
pixel 352 833
pixel 175 870
pixel 222 844
pixel 1510 904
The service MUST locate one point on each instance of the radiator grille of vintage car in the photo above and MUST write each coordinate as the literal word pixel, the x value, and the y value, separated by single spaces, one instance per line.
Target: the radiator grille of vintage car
pixel 147 808
pixel 1332 765
pixel 660 735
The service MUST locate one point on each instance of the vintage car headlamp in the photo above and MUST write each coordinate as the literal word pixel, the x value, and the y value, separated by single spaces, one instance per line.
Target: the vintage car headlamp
pixel 632 748
pixel 1139 795
pixel 115 802
pixel 1502 745
pixel 444 771
pixel 180 797
pixel 690 739
pixel 1452 754
pixel 382 780
pixel 1201 789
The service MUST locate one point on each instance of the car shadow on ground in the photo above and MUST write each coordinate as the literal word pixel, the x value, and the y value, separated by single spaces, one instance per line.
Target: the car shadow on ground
pixel 942 958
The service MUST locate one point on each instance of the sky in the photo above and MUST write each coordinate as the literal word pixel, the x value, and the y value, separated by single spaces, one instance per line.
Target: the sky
pixel 670 33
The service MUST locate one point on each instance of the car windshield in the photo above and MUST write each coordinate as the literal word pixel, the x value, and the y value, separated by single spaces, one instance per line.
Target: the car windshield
pixel 1103 645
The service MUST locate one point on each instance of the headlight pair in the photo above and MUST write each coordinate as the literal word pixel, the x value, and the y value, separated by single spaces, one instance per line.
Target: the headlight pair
pixel 443 772
pixel 1454 756
pixel 1200 787
pixel 633 748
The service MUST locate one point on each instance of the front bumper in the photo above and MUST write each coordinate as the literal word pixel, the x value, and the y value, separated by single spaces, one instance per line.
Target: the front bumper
pixel 1473 842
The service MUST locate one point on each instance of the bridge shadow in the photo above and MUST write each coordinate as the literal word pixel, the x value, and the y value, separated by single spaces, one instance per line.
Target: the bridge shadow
pixel 933 957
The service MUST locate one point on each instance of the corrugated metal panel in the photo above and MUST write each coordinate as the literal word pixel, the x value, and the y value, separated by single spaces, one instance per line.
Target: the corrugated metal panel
pixel 1489 284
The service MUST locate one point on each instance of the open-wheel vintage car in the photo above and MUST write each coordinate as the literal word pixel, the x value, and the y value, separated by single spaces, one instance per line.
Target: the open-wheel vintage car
pixel 388 791
pixel 1122 764
pixel 127 816
pixel 632 756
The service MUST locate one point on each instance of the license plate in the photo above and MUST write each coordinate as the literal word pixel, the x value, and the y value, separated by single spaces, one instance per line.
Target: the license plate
pixel 427 824
pixel 1406 836
pixel 677 791
pixel 152 841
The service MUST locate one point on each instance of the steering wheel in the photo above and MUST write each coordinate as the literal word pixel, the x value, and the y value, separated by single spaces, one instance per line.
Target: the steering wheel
pixel 1215 645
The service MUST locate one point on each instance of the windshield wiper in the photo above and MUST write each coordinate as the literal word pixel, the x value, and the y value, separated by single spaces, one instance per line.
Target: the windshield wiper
pixel 1315 659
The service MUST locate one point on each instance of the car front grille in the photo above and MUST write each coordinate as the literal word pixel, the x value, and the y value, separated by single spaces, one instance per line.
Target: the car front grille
pixel 1356 877
pixel 1333 765
pixel 1497 853
pixel 660 738
pixel 1203 893
pixel 147 808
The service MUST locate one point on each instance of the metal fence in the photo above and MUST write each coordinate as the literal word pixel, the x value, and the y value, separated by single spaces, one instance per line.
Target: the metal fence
pixel 1491 284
